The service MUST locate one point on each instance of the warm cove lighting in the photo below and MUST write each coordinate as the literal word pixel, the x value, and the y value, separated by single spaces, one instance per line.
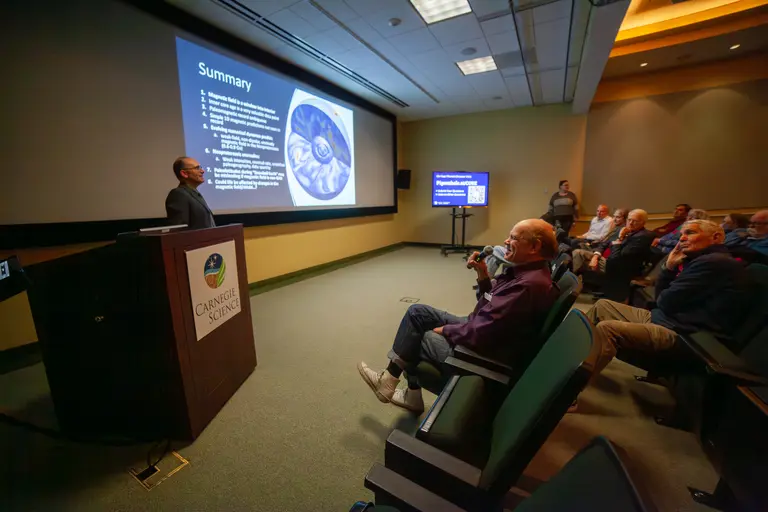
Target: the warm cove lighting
pixel 481 65
pixel 438 10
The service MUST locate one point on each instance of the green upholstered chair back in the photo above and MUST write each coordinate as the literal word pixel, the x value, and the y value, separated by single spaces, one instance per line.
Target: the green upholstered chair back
pixel 755 353
pixel 594 479
pixel 538 401
pixel 569 291
pixel 559 266
pixel 568 283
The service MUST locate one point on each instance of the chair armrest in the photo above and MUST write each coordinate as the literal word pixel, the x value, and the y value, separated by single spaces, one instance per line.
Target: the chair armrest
pixel 395 490
pixel 437 407
pixel 720 360
pixel 459 367
pixel 435 470
pixel 470 356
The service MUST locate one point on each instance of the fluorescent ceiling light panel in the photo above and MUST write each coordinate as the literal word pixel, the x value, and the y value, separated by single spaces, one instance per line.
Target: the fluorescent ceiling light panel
pixel 481 65
pixel 438 10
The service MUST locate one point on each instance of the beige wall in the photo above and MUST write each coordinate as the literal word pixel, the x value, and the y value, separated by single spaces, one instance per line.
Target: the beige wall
pixel 706 148
pixel 526 150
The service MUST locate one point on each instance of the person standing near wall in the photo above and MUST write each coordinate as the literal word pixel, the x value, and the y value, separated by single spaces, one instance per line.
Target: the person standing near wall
pixel 563 207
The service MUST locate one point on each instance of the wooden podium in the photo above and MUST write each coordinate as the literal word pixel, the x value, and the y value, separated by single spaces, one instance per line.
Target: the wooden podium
pixel 117 328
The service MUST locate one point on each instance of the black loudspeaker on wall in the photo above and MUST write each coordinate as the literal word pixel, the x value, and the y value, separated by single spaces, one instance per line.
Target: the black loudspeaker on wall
pixel 404 179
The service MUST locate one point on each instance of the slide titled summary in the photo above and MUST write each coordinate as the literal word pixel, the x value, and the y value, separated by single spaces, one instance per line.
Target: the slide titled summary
pixel 459 189
pixel 234 118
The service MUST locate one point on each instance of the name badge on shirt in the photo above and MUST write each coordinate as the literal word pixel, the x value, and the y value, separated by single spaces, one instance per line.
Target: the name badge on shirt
pixel 487 296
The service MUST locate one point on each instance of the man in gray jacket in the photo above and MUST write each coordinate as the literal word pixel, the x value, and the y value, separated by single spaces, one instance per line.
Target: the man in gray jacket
pixel 184 204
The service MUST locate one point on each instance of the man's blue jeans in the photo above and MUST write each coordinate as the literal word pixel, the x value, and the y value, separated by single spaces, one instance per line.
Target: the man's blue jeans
pixel 415 341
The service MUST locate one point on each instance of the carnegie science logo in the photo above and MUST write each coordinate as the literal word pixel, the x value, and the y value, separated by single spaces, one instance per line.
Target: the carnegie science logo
pixel 226 302
pixel 215 270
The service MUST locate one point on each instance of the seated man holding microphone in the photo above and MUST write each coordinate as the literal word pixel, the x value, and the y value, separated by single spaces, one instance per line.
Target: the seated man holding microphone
pixel 512 308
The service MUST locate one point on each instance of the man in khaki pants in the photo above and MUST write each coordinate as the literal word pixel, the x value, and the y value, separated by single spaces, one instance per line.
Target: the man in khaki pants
pixel 701 288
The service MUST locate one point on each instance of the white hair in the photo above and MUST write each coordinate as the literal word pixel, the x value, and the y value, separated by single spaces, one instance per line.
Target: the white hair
pixel 698 213
pixel 707 226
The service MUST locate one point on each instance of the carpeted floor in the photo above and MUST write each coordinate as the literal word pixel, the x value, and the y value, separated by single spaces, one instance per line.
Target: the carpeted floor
pixel 304 429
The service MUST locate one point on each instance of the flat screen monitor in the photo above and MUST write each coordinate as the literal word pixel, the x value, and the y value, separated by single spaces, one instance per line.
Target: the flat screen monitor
pixel 459 189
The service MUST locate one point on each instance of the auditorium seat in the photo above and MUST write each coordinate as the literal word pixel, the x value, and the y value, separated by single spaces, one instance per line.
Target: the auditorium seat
pixel 596 478
pixel 435 379
pixel 559 266
pixel 471 455
pixel 680 361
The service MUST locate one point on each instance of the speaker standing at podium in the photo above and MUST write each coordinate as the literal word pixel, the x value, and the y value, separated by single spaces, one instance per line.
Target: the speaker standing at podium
pixel 184 204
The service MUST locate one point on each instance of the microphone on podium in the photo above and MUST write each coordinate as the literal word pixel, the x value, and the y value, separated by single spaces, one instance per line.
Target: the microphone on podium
pixel 487 251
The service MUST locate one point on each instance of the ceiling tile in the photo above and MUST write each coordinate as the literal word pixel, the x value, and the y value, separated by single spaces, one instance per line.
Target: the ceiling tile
pixel 326 44
pixel 363 30
pixel 356 59
pixel 551 43
pixel 498 25
pixel 455 55
pixel 338 9
pixel 433 60
pixel 457 87
pixel 401 9
pixel 485 7
pixel 503 102
pixel 518 90
pixel 364 7
pixel 503 43
pixel 512 70
pixel 457 30
pixel 312 16
pixel 385 48
pixel 488 84
pixel 552 11
pixel 417 41
pixel 267 7
pixel 287 20
pixel 344 38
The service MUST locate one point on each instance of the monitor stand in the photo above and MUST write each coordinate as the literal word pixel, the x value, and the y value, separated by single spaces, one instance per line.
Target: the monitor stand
pixel 454 247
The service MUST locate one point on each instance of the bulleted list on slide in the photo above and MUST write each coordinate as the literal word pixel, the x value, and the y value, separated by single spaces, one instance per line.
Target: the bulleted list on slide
pixel 242 143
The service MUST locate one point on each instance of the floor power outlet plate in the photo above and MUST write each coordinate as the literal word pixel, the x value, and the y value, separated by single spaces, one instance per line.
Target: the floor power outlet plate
pixel 152 476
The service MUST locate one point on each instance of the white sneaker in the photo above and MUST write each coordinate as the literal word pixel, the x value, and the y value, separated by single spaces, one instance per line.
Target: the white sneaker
pixel 408 399
pixel 382 383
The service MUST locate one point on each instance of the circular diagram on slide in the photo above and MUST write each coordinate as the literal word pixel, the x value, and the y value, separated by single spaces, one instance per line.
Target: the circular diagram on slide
pixel 319 152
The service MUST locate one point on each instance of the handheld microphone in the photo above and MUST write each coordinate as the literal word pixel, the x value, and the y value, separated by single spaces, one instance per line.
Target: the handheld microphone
pixel 487 251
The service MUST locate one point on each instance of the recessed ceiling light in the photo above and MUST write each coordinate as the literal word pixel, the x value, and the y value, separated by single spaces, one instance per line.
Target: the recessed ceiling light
pixel 481 65
pixel 643 64
pixel 438 10
pixel 735 46
pixel 393 22
pixel 469 51
pixel 498 98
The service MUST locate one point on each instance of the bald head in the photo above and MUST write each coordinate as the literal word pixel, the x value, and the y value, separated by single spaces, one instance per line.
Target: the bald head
pixel 530 240
pixel 758 224
pixel 602 211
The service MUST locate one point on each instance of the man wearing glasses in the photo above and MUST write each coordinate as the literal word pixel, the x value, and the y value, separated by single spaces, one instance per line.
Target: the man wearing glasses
pixel 184 204
pixel 753 246
pixel 506 319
